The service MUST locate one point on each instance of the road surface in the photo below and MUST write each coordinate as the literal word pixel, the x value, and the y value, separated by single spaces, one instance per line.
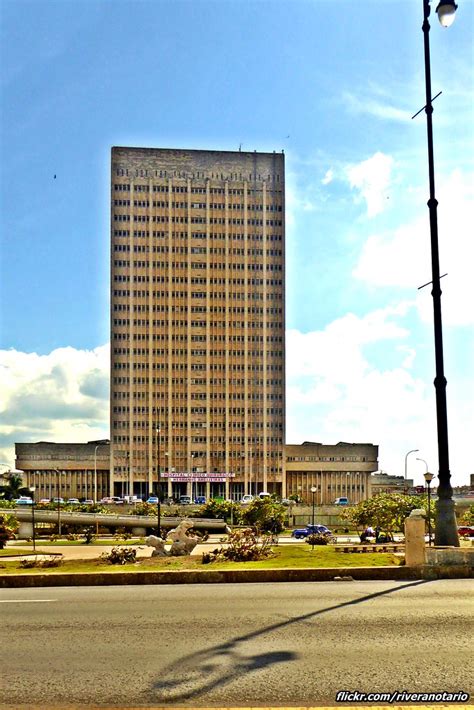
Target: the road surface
pixel 223 645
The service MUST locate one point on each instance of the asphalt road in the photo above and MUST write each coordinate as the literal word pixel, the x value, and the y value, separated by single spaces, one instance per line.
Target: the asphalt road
pixel 240 645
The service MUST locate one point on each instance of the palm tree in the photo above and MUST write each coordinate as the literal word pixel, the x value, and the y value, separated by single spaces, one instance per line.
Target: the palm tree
pixel 13 488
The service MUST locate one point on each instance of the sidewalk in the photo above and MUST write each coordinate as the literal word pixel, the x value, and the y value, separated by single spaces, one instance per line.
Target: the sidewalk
pixel 91 552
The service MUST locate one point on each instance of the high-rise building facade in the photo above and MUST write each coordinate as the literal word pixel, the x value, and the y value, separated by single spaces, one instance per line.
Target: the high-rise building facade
pixel 197 321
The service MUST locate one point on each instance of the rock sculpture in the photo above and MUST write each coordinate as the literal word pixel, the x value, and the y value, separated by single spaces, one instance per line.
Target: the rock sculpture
pixel 182 543
pixel 158 544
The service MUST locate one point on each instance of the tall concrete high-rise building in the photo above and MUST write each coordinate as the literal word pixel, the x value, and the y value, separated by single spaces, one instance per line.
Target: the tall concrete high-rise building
pixel 197 321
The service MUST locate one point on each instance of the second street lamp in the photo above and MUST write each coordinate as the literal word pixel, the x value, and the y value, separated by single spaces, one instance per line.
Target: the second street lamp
pixel 313 491
pixel 33 489
pixel 428 478
pixel 158 484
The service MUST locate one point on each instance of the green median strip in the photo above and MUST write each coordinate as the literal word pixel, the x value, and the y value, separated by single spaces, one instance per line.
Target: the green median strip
pixel 290 557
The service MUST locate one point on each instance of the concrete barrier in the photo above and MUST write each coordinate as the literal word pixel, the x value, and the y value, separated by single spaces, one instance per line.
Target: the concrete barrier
pixel 207 576
pixel 109 521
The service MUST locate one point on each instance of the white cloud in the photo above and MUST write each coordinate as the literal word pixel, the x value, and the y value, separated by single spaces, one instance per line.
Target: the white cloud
pixel 329 177
pixel 336 393
pixel 402 257
pixel 61 396
pixel 372 178
pixel 367 105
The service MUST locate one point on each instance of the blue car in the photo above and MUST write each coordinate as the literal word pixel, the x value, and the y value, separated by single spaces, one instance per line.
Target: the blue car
pixel 153 500
pixel 302 533
pixel 200 500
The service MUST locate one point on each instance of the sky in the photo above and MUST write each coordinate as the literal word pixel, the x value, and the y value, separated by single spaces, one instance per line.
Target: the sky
pixel 332 83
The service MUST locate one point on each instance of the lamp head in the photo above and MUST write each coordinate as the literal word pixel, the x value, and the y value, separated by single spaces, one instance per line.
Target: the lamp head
pixel 446 12
pixel 313 489
pixel 428 477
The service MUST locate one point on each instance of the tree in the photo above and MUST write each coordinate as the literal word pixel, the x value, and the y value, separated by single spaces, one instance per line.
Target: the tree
pixel 267 515
pixel 14 487
pixel 8 527
pixel 220 509
pixel 387 511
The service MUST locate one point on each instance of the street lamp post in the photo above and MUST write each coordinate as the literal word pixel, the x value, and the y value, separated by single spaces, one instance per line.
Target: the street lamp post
pixel 423 461
pixel 428 478
pixel 412 451
pixel 33 489
pixel 313 491
pixel 95 472
pixel 158 487
pixel 59 501
pixel 445 524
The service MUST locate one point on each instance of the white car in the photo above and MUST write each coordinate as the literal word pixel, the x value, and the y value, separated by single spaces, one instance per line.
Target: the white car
pixel 246 499
pixel 24 500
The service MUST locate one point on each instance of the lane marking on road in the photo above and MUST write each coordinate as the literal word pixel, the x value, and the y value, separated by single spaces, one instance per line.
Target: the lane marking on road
pixel 25 601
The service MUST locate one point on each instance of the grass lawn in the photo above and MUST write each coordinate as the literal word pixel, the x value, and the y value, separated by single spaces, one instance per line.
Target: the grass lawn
pixel 285 557
pixel 73 543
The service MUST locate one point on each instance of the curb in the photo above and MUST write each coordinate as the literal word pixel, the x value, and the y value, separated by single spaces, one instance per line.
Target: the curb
pixel 327 574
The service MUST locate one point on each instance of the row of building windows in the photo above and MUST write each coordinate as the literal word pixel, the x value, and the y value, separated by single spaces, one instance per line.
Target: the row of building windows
pixel 225 251
pixel 252 222
pixel 235 236
pixel 326 458
pixel 230 352
pixel 194 265
pixel 178 337
pixel 275 396
pixel 201 295
pixel 244 325
pixel 198 205
pixel 165 308
pixel 201 190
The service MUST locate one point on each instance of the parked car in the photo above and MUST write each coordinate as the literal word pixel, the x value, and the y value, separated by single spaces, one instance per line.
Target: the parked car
pixel 466 531
pixel 24 500
pixel 44 500
pixel 74 501
pixel 88 501
pixel 185 500
pixel 263 495
pixel 106 501
pixel 341 501
pixel 153 500
pixel 301 533
pixel 117 500
pixel 58 500
pixel 200 500
pixel 246 499
pixel 132 499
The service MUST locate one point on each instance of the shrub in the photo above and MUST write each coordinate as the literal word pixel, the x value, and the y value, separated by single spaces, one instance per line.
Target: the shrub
pixel 8 527
pixel 226 509
pixel 119 556
pixel 468 517
pixel 45 563
pixel 243 546
pixel 316 539
pixel 143 509
pixel 123 534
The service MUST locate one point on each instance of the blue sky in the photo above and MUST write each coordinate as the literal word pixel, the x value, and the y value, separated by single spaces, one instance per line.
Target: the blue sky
pixel 334 84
